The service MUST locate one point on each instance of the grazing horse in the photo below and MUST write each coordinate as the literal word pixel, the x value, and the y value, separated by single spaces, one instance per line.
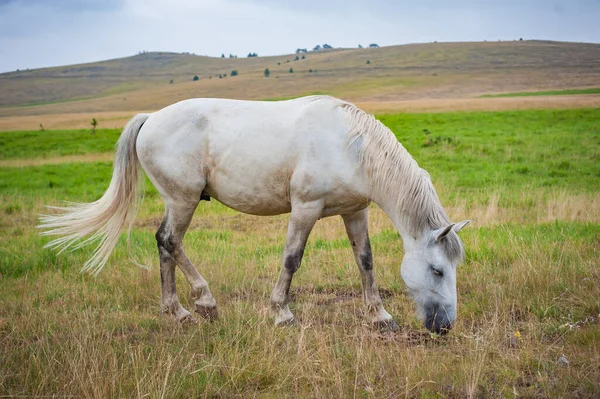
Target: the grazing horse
pixel 311 157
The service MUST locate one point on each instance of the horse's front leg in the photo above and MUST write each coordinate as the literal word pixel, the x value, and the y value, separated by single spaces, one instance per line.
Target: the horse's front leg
pixel 302 219
pixel 357 227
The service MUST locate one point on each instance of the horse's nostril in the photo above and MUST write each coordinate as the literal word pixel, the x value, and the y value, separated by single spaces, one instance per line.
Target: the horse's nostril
pixel 437 321
pixel 445 329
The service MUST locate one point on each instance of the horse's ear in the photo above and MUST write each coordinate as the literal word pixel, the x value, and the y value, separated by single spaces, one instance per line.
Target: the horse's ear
pixel 459 226
pixel 443 232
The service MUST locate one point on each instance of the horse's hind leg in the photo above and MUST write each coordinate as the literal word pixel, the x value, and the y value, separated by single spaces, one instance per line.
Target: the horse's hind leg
pixel 170 299
pixel 169 238
pixel 357 227
pixel 302 220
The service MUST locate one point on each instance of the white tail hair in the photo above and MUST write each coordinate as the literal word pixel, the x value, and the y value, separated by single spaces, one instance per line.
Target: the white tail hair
pixel 102 220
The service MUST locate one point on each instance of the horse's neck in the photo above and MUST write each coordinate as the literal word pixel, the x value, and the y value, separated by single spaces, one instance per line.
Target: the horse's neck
pixel 402 189
pixel 405 193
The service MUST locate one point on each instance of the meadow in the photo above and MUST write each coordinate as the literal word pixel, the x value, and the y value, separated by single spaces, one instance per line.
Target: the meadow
pixel 569 92
pixel 529 308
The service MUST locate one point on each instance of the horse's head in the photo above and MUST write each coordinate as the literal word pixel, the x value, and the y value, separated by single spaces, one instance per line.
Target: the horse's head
pixel 429 271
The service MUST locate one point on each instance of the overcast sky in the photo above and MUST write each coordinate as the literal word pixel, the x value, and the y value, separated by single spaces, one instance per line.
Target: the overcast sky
pixel 40 33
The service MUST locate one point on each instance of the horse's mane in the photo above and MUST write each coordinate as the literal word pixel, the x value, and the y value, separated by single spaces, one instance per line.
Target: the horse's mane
pixel 395 176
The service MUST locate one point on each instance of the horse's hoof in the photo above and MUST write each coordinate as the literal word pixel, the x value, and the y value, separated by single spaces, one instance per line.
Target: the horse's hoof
pixel 210 313
pixel 186 319
pixel 288 323
pixel 386 325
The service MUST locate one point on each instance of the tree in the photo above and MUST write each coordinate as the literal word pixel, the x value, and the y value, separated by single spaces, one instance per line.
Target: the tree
pixel 171 81
pixel 310 70
pixel 368 61
pixel 234 73
pixel 291 70
pixel 267 73
pixel 303 57
pixel 196 78
pixel 301 50
pixel 327 46
pixel 317 47
pixel 222 55
pixel 373 45
pixel 360 46
pixel 94 125
pixel 252 55
pixel 296 59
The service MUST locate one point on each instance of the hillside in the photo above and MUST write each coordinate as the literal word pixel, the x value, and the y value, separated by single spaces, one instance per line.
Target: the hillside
pixel 414 72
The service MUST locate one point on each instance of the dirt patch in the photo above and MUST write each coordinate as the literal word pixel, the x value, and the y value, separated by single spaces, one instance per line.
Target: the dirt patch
pixel 406 336
pixel 332 295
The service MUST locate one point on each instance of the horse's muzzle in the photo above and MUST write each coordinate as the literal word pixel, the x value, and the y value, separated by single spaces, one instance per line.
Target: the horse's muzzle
pixel 436 320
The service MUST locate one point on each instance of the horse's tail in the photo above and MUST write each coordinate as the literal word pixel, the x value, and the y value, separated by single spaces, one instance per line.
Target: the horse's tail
pixel 102 220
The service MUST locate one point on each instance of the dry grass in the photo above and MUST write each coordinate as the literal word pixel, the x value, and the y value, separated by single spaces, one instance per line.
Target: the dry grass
pixel 71 335
pixel 557 205
pixel 106 120
pixel 22 163
pixel 476 104
pixel 115 119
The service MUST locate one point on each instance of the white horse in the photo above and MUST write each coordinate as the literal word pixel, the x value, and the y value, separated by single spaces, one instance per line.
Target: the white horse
pixel 312 157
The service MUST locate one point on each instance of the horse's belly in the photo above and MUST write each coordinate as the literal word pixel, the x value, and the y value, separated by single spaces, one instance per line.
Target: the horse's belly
pixel 247 195
pixel 254 205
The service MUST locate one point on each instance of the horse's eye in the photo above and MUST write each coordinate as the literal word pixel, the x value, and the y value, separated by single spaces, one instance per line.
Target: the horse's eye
pixel 437 272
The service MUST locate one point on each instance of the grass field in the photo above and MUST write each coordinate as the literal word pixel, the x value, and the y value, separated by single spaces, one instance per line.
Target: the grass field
pixel 528 290
pixel 593 90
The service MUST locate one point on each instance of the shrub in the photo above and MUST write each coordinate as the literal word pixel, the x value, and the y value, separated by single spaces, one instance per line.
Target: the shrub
pixel 196 78
pixel 234 73
pixel 267 73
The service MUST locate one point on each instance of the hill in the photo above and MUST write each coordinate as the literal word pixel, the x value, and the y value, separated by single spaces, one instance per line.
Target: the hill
pixel 413 72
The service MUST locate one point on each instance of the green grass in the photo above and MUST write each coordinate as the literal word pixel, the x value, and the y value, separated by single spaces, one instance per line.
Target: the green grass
pixel 528 179
pixel 518 149
pixel 593 90
pixel 52 143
